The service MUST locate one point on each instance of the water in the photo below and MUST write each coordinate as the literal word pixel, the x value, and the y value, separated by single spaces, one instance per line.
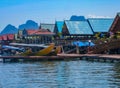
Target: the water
pixel 60 74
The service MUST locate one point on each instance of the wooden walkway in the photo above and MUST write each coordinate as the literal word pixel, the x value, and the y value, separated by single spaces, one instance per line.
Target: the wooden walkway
pixel 63 57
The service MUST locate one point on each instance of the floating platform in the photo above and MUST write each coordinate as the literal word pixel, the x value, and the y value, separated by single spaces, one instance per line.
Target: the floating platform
pixel 103 57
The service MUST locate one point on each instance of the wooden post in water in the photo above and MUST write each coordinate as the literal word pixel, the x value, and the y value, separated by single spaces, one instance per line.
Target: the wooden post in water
pixel 3 60
pixel 62 49
pixel 77 49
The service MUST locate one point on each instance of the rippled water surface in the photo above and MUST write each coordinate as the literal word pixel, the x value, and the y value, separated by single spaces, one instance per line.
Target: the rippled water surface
pixel 60 74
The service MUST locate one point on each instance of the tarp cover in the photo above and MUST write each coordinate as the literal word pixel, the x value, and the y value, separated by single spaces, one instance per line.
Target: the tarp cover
pixel 86 43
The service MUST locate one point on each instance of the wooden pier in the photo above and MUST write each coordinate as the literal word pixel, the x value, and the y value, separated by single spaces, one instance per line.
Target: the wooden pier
pixel 92 57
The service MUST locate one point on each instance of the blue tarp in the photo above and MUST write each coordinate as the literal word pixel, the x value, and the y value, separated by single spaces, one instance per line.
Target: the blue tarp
pixel 80 43
pixel 89 44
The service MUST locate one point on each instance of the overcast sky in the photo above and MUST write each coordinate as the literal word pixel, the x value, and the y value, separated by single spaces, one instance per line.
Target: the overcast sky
pixel 17 12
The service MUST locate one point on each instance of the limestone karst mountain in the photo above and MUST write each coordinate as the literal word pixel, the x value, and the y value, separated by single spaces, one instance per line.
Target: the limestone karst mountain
pixel 28 25
pixel 9 29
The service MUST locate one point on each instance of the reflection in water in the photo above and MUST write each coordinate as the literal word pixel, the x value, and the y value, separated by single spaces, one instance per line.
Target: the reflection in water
pixel 116 75
pixel 60 74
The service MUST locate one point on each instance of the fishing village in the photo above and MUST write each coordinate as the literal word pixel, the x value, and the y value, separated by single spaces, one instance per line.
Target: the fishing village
pixel 64 40
pixel 59 44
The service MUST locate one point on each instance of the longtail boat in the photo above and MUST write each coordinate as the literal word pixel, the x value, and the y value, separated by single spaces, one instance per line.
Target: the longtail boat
pixel 45 51
pixel 55 51
pixel 42 52
pixel 27 53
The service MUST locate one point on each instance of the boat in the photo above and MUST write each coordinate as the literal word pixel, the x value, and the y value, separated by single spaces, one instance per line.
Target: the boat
pixel 38 49
pixel 45 51
pixel 55 51
pixel 26 53
pixel 42 52
pixel 10 50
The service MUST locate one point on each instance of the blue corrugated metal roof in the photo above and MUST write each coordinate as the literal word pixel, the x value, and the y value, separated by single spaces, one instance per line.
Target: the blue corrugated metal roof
pixel 48 26
pixel 59 25
pixel 100 24
pixel 79 27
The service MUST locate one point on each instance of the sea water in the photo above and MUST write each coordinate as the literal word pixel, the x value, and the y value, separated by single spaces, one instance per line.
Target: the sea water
pixel 60 74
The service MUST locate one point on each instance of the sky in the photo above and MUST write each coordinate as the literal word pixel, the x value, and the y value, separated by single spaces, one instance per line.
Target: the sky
pixel 17 12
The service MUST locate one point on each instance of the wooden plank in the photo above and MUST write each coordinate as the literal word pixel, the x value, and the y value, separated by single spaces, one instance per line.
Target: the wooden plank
pixel 64 56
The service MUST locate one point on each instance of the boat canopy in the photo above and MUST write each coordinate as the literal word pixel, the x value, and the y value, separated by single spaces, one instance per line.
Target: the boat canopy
pixel 12 48
pixel 28 45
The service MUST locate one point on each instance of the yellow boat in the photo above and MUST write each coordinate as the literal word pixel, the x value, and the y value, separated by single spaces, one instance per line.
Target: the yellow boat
pixel 45 51
pixel 42 52
pixel 27 53
pixel 55 51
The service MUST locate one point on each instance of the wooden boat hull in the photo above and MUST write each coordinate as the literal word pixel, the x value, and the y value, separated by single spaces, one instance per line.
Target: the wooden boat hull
pixel 54 52
pixel 45 51
pixel 27 53
pixel 42 52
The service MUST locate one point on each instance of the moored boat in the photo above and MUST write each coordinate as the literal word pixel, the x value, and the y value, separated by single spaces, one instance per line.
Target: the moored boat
pixel 41 52
pixel 55 51
pixel 45 51
pixel 35 49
